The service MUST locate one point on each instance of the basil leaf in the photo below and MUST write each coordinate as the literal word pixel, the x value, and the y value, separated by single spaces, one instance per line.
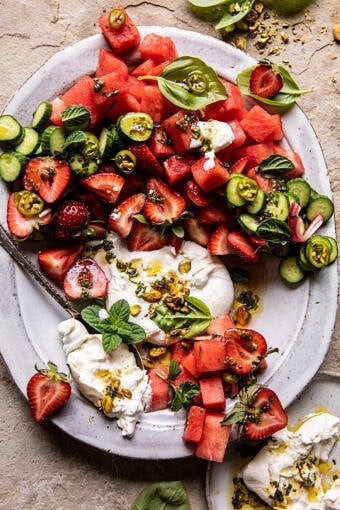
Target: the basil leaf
pixel 209 10
pixel 230 18
pixel 111 341
pixel 90 315
pixel 162 496
pixel 174 370
pixel 120 310
pixel 174 83
pixel 275 231
pixel 275 166
pixel 281 101
pixel 75 117
pixel 134 334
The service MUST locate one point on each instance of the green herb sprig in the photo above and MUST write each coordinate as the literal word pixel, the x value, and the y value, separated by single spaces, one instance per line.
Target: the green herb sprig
pixel 188 324
pixel 182 395
pixel 116 328
pixel 189 83
pixel 275 166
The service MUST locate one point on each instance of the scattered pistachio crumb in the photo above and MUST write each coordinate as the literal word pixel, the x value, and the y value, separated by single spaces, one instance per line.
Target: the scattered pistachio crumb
pixel 336 32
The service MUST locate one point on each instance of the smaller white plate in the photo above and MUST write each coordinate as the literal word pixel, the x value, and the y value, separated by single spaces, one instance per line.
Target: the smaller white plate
pixel 323 391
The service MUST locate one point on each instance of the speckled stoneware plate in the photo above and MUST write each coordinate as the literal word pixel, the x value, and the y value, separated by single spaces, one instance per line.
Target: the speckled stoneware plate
pixel 323 391
pixel 299 321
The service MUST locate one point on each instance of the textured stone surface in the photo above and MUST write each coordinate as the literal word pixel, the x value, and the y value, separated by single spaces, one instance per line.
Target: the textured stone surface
pixel 40 466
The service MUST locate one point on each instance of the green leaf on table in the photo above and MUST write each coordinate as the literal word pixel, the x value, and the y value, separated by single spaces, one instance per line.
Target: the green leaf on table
pixel 275 166
pixel 162 496
pixel 189 83
pixel 234 14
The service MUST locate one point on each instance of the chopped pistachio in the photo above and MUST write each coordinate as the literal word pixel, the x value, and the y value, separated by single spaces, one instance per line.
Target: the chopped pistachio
pixel 152 296
pixel 336 32
pixel 285 37
pixel 155 352
pixel 184 266
pixel 135 310
pixel 107 404
pixel 126 392
pixel 241 43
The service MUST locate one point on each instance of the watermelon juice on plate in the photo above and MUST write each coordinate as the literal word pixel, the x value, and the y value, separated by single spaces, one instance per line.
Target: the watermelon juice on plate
pixel 145 174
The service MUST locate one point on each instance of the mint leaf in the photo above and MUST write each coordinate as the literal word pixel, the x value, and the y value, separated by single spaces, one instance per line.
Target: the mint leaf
pixel 184 395
pixel 134 334
pixel 174 370
pixel 120 310
pixel 176 401
pixel 275 166
pixel 90 315
pixel 111 341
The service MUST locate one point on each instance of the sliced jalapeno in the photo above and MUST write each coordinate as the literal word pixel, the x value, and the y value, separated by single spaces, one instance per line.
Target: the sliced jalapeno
pixel 318 251
pixel 125 161
pixel 117 18
pixel 197 82
pixel 28 203
pixel 135 126
pixel 247 189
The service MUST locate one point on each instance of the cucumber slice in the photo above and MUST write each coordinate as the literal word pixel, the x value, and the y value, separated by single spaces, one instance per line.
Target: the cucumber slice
pixel 105 142
pixel 11 164
pixel 320 205
pixel 292 198
pixel 301 188
pixel 53 140
pixel 318 251
pixel 277 206
pixel 334 249
pixel 135 126
pixel 290 271
pixel 258 204
pixel 10 129
pixel 313 194
pixel 240 190
pixel 29 143
pixel 42 115
pixel 305 265
pixel 81 166
pixel 248 223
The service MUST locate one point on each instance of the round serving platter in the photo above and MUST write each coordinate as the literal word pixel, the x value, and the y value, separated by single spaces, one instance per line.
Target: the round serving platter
pixel 298 320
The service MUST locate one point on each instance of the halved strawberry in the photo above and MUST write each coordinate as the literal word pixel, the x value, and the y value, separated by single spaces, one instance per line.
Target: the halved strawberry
pixel 163 204
pixel 197 233
pixel 70 218
pixel 22 226
pixel 55 262
pixel 239 166
pixel 134 183
pixel 196 195
pixel 95 206
pixel 144 238
pixel 47 391
pixel 215 213
pixel 265 81
pixel 241 245
pixel 106 185
pixel 218 241
pixel 48 177
pixel 85 279
pixel 259 413
pixel 122 217
pixel 245 348
pixel 269 415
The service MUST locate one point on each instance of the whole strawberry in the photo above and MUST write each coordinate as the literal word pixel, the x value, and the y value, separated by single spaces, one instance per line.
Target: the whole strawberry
pixel 71 217
pixel 47 390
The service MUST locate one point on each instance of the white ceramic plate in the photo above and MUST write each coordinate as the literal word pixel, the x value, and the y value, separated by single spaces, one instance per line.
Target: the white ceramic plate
pixel 298 321
pixel 323 391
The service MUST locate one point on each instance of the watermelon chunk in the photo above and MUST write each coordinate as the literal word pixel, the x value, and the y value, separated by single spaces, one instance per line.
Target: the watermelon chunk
pixel 149 68
pixel 127 103
pixel 110 63
pixel 255 153
pixel 160 144
pixel 159 388
pixel 231 108
pixel 58 106
pixel 220 324
pixel 210 355
pixel 209 173
pixel 121 39
pixel 212 392
pixel 214 440
pixel 194 424
pixel 189 363
pixel 178 352
pixel 177 168
pixel 260 126
pixel 296 160
pixel 157 47
pixel 263 182
pixel 179 127
pixel 146 161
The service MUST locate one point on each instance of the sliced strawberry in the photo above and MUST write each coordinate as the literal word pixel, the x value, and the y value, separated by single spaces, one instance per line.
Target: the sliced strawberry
pixel 122 217
pixel 95 206
pixel 71 217
pixel 269 415
pixel 239 166
pixel 22 226
pixel 47 391
pixel 265 81
pixel 144 238
pixel 163 204
pixel 94 230
pixel 106 185
pixel 134 183
pixel 85 279
pixel 215 213
pixel 241 245
pixel 218 241
pixel 176 242
pixel 200 234
pixel 55 262
pixel 48 177
pixel 244 348
pixel 146 160
pixel 196 195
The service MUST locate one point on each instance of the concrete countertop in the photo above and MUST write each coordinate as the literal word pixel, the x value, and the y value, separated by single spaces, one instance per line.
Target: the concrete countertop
pixel 41 467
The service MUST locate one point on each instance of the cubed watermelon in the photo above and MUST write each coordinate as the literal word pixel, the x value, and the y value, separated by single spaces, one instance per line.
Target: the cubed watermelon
pixel 194 424
pixel 83 93
pixel 178 167
pixel 189 363
pixel 58 106
pixel 157 47
pixel 110 63
pixel 159 388
pixel 160 144
pixel 179 352
pixel 212 392
pixel 126 103
pixel 214 440
pixel 209 172
pixel 261 126
pixel 210 355
pixel 179 129
pixel 263 182
pixel 149 68
pixel 255 153
pixel 121 39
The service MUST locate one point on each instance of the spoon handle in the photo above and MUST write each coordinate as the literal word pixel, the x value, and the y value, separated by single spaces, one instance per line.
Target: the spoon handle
pixel 10 246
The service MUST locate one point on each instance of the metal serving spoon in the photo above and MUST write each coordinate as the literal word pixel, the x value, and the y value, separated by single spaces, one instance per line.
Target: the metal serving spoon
pixel 9 245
